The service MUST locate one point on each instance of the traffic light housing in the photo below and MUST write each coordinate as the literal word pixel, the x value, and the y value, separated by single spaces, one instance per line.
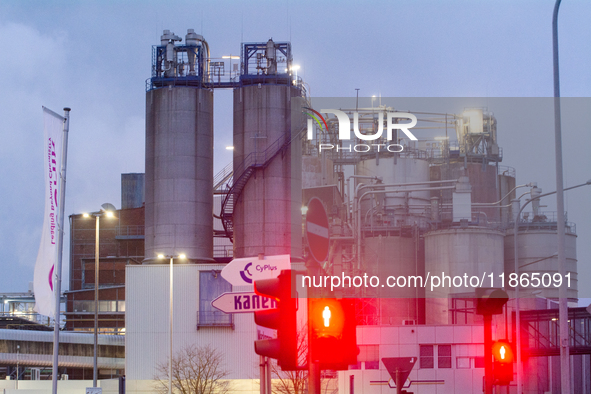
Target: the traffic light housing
pixel 503 364
pixel 490 301
pixel 283 319
pixel 333 333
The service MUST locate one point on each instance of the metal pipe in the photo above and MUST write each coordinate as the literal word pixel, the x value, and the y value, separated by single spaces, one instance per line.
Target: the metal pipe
pixel 406 184
pixel 350 216
pixel 485 204
pixel 358 213
pixel 356 202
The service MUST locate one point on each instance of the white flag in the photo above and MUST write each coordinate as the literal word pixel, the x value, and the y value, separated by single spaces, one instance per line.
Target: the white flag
pixel 47 257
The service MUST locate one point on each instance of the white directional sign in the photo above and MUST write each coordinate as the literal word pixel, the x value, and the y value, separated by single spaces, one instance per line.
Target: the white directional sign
pixel 94 390
pixel 243 271
pixel 243 302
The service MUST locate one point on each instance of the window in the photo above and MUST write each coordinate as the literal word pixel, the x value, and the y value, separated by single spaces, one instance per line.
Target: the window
pixel 426 356
pixel 211 286
pixel 372 365
pixel 368 352
pixel 370 355
pixel 478 362
pixel 444 356
pixel 103 306
pixel 463 362
pixel 462 311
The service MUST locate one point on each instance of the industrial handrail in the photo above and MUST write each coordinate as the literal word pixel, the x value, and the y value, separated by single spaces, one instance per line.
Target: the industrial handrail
pixel 221 177
pixel 251 161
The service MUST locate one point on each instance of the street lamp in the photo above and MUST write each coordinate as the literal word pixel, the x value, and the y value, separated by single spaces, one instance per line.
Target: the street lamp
pixel 295 68
pixel 171 257
pixel 107 210
pixel 516 261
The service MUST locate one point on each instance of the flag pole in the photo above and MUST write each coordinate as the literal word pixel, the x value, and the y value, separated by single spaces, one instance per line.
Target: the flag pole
pixel 60 242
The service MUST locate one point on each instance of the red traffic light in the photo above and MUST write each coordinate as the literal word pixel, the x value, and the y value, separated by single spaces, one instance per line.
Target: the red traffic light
pixel 502 352
pixel 327 317
pixel 283 319
pixel 503 365
pixel 333 329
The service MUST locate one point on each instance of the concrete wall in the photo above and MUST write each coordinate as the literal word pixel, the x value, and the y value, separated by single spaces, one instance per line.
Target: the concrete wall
pixel 467 343
pixel 147 322
pixel 63 386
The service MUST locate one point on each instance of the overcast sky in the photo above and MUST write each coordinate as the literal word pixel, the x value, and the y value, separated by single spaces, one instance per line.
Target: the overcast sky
pixel 95 56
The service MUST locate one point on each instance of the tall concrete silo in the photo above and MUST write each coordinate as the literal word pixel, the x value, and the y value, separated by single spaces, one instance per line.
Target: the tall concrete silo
pixel 179 151
pixel 400 209
pixel 477 156
pixel 391 225
pixel 537 246
pixel 459 252
pixel 266 217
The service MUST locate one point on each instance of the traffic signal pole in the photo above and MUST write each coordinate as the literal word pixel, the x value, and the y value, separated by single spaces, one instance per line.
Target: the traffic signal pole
pixel 262 378
pixel 488 363
pixel 314 377
pixel 313 364
pixel 268 375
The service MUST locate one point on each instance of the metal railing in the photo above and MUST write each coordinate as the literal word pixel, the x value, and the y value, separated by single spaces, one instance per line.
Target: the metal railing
pixel 223 176
pixel 544 221
pixel 131 230
pixel 214 319
pixel 251 162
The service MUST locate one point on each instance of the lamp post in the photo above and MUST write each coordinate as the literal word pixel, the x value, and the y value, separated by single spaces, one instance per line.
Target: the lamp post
pixel 171 258
pixel 516 261
pixel 18 350
pixel 108 211
pixel 562 296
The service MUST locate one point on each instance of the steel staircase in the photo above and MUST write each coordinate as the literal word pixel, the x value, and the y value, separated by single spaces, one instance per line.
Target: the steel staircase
pixel 253 161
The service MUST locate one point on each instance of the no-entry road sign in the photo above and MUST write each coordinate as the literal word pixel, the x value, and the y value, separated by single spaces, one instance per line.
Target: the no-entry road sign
pixel 317 230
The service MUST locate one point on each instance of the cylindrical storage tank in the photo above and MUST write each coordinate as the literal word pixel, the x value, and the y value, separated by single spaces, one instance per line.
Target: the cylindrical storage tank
pixel 537 253
pixel 506 180
pixel 395 256
pixel 402 209
pixel 317 171
pixel 179 173
pixel 267 214
pixel 463 255
pixel 132 190
pixel 485 188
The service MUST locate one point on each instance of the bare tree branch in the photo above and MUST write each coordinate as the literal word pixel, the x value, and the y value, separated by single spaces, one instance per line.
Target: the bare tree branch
pixel 195 370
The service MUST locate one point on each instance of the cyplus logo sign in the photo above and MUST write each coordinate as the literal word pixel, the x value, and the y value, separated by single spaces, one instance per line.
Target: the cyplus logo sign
pixel 345 129
pixel 245 274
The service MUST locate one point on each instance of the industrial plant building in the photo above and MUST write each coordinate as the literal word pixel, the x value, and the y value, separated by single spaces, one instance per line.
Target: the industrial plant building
pixel 443 203
pixel 397 207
